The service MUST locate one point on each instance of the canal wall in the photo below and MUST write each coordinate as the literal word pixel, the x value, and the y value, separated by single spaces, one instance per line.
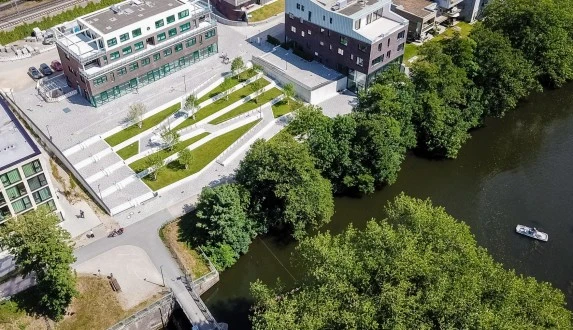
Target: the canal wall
pixel 154 316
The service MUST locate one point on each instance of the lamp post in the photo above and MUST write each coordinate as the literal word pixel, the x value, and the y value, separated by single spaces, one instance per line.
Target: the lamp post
pixel 48 130
pixel 185 83
pixel 162 279
pixel 99 192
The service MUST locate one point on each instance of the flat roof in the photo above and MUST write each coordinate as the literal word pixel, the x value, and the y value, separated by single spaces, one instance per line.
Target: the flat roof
pixel 16 145
pixel 127 13
pixel 378 27
pixel 356 6
pixel 415 7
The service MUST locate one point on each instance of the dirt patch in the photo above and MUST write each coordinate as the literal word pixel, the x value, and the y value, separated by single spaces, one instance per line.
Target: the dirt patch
pixel 190 260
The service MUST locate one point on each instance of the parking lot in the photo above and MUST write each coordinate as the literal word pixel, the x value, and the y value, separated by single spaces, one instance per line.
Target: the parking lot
pixel 15 74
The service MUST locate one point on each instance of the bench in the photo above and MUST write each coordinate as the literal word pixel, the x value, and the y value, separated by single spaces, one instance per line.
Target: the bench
pixel 114 284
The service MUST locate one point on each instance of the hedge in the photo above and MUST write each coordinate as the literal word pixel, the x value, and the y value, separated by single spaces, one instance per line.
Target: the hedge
pixel 272 40
pixel 25 30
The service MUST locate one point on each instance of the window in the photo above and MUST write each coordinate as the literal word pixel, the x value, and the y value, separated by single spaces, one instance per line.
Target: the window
pixel 302 7
pixel 388 53
pixel 100 80
pixel 400 47
pixel 343 40
pixel 401 35
pixel 290 15
pixel 368 19
pixel 183 14
pixel 124 37
pixel 10 177
pixel 133 66
pixel 362 48
pixel 321 30
pixel 357 24
pixel 340 51
pixel 330 20
pixel 127 50
pixel 156 56
pixel 190 42
pixel 377 14
pixel 136 33
pixel 293 29
pixel 359 61
pixel 388 42
pixel 170 19
pixel 172 32
pixel 37 182
pixel 209 34
pixel 161 37
pixel 378 59
pixel 32 168
pixel 322 43
pixel 159 24
pixel 22 204
pixel 178 47
pixel 380 47
pixel 323 18
pixel 138 46
pixel 112 42
pixel 167 52
pixel 185 27
pixel 302 33
pixel 309 32
pixel 145 61
pixel 42 195
pixel 114 55
pixel 298 6
pixel 121 71
pixel 16 191
pixel 2 202
pixel 310 16
pixel 352 56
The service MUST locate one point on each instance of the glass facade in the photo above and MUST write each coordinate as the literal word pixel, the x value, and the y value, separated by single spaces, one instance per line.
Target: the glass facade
pixel 153 75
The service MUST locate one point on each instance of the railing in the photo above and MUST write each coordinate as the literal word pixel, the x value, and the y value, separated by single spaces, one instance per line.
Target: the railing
pixel 189 286
pixel 139 315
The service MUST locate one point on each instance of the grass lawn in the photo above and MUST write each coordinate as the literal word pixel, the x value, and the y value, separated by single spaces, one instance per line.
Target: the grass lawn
pixel 96 307
pixel 133 130
pixel 129 151
pixel 246 107
pixel 139 165
pixel 176 236
pixel 267 11
pixel 235 81
pixel 282 108
pixel 220 104
pixel 202 156
pixel 410 50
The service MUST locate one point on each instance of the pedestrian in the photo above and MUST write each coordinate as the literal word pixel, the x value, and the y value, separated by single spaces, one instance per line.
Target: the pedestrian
pixel 92 234
pixel 81 214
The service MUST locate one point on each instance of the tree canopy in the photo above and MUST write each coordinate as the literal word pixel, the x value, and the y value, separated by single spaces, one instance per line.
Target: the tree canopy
pixel 39 245
pixel 418 269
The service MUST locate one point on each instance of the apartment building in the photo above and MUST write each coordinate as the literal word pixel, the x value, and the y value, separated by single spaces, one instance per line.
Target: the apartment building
pixel 358 38
pixel 116 50
pixel 24 185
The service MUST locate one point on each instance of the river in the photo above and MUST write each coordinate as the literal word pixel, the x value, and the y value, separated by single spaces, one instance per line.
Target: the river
pixel 518 169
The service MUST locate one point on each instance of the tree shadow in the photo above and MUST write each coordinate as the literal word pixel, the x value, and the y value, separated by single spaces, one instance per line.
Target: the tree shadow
pixel 233 311
pixel 28 299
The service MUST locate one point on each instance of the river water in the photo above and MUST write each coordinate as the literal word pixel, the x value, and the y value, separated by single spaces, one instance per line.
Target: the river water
pixel 518 169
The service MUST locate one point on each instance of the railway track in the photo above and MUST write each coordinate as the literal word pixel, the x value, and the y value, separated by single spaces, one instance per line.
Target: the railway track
pixel 43 9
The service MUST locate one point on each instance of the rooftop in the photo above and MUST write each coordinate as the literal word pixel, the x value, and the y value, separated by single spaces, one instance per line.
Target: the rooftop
pixel 420 8
pixel 378 28
pixel 15 144
pixel 346 7
pixel 128 12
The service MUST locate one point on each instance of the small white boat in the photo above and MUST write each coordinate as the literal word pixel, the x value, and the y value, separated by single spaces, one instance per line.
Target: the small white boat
pixel 532 232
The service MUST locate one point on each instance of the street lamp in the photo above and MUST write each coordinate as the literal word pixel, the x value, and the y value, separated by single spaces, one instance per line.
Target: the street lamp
pixel 99 192
pixel 48 130
pixel 162 279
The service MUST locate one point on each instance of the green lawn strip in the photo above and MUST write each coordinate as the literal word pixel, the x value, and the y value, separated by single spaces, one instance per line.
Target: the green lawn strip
pixel 282 108
pixel 147 123
pixel 139 165
pixel 248 74
pixel 129 151
pixel 219 105
pixel 267 11
pixel 410 50
pixel 202 156
pixel 246 107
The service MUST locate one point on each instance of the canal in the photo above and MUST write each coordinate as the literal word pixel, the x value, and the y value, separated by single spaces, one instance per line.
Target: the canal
pixel 518 169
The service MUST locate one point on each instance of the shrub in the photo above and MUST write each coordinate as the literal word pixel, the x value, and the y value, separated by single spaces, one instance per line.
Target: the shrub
pixel 272 40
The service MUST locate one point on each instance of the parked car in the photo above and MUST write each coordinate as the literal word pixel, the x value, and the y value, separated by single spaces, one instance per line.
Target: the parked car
pixel 49 41
pixel 56 65
pixel 34 73
pixel 46 71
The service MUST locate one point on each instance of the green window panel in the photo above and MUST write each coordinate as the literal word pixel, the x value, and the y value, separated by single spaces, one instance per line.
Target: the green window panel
pixel 37 182
pixel 32 168
pixel 159 24
pixel 22 204
pixel 145 61
pixel 138 46
pixel 173 32
pixel 183 14
pixel 122 71
pixel 42 195
pixel 100 80
pixel 156 56
pixel 16 191
pixel 161 36
pixel 178 47
pixel 127 50
pixel 136 32
pixel 124 37
pixel 114 55
pixel 10 177
pixel 170 19
pixel 112 42
pixel 191 42
pixel 185 27
pixel 133 66
pixel 2 199
pixel 167 52
pixel 210 34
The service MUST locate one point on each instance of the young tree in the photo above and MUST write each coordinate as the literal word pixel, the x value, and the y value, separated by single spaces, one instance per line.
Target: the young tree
pixel 185 157
pixel 237 66
pixel 190 104
pixel 257 68
pixel 226 86
pixel 39 245
pixel 419 269
pixel 154 163
pixel 169 136
pixel 289 92
pixel 257 88
pixel 135 113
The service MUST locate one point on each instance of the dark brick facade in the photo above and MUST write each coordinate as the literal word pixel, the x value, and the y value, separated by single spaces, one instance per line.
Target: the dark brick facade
pixel 230 11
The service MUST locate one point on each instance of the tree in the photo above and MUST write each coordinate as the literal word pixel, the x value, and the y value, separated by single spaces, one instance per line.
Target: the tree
pixel 226 87
pixel 190 104
pixel 135 114
pixel 154 163
pixel 169 136
pixel 39 245
pixel 289 91
pixel 418 269
pixel 185 158
pixel 287 191
pixel 221 220
pixel 237 66
pixel 257 68
pixel 257 88
pixel 541 30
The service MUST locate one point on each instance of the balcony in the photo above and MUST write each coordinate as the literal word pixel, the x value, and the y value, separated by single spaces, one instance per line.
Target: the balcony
pixel 453 13
pixel 448 4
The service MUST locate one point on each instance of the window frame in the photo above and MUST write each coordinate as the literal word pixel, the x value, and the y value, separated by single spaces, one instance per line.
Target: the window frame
pixel 161 37
pixel 172 32
pixel 114 55
pixel 126 50
pixel 124 37
pixel 138 46
pixel 159 23
pixel 111 42
pixel 170 19
pixel 134 34
pixel 183 14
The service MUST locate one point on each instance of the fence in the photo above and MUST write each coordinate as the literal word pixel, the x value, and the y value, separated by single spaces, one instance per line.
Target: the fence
pixel 167 302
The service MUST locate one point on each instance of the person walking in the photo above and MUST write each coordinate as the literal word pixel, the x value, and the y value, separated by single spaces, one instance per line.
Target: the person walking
pixel 81 214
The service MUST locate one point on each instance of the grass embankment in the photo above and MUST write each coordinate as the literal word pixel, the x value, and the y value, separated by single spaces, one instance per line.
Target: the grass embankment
pixel 267 11
pixel 176 235
pixel 129 151
pixel 411 50
pixel 220 104
pixel 282 108
pixel 202 156
pixel 250 105
pixel 147 123
pixel 96 307
pixel 139 165
pixel 235 80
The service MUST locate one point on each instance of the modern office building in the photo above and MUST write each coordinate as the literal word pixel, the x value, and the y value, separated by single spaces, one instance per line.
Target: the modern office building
pixel 113 51
pixel 24 185
pixel 358 37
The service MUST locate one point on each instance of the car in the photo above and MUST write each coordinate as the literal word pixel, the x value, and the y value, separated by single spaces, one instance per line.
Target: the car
pixel 34 73
pixel 49 41
pixel 56 65
pixel 46 71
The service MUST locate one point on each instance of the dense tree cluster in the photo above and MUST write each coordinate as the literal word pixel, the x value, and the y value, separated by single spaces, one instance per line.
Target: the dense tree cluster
pixel 418 269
